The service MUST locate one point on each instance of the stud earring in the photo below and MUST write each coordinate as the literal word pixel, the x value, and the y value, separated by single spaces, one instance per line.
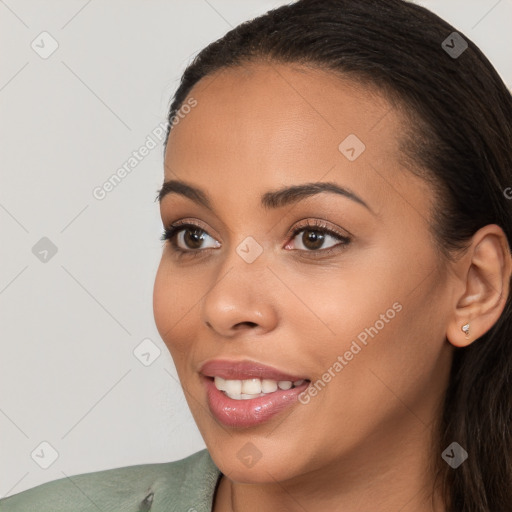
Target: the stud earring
pixel 465 329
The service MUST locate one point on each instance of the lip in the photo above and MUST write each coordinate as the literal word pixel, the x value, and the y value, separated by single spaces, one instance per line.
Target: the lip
pixel 243 370
pixel 252 412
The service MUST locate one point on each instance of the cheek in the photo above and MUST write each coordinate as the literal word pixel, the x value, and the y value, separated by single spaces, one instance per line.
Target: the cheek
pixel 414 352
pixel 349 302
pixel 378 315
pixel 173 301
pixel 396 363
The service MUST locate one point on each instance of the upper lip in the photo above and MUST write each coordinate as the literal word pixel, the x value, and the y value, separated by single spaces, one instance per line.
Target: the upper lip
pixel 243 370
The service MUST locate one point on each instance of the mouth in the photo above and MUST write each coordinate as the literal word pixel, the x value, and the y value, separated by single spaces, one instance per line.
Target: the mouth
pixel 248 389
pixel 246 393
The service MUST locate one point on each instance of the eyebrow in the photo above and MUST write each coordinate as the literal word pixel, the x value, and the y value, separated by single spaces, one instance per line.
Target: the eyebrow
pixel 269 200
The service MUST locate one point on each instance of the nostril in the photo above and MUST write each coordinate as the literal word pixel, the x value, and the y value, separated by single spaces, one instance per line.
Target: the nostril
pixel 250 324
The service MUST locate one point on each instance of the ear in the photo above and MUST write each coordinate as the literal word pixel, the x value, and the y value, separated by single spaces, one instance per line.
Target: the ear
pixel 484 275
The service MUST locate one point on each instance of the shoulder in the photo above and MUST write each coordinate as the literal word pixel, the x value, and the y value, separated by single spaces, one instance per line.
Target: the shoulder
pixel 186 484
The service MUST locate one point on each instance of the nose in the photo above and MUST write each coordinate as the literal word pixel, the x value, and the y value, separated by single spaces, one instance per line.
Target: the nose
pixel 241 300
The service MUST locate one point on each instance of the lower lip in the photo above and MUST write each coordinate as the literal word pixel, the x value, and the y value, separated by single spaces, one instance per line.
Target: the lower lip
pixel 252 412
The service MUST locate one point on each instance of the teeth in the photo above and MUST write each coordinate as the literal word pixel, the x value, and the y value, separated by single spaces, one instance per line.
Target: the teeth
pixel 268 386
pixel 252 388
pixel 220 383
pixel 234 387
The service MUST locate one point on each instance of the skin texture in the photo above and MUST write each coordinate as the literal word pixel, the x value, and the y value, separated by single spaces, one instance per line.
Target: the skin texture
pixel 365 441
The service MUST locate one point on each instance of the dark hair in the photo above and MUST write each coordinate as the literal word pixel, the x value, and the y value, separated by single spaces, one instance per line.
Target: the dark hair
pixel 459 138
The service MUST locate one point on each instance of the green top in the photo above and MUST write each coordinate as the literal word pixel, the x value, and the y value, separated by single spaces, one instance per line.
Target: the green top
pixel 186 485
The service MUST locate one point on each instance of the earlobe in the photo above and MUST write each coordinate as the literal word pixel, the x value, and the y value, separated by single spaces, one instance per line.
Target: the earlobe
pixel 461 335
pixel 485 271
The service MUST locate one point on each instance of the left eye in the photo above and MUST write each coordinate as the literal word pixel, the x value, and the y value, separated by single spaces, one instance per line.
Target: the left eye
pixel 312 239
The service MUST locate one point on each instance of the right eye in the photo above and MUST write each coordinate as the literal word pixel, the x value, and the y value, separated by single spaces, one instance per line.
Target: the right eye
pixel 186 237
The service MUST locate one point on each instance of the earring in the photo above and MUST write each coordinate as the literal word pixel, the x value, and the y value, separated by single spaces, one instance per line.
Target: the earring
pixel 465 329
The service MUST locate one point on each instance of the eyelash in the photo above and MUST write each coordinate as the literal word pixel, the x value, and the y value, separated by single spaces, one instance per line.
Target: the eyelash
pixel 172 230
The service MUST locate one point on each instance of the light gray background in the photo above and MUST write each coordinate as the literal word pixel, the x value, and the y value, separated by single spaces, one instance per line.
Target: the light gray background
pixel 69 326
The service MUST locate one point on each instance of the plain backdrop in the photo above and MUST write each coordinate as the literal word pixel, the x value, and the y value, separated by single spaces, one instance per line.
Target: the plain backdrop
pixel 86 383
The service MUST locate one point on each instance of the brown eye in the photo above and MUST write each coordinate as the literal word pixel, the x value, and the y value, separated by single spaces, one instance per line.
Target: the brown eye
pixel 187 237
pixel 192 238
pixel 314 239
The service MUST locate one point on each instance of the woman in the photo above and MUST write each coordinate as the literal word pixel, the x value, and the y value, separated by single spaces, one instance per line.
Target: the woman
pixel 335 283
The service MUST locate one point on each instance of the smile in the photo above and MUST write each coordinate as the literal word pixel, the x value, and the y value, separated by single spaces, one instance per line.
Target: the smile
pixel 253 388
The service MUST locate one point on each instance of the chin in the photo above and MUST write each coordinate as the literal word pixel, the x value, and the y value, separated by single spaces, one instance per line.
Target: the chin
pixel 271 466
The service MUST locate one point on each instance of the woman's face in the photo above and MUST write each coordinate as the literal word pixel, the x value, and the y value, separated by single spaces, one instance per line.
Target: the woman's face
pixel 359 310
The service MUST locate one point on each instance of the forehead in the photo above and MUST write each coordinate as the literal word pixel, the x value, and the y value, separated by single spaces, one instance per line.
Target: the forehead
pixel 258 126
pixel 299 100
